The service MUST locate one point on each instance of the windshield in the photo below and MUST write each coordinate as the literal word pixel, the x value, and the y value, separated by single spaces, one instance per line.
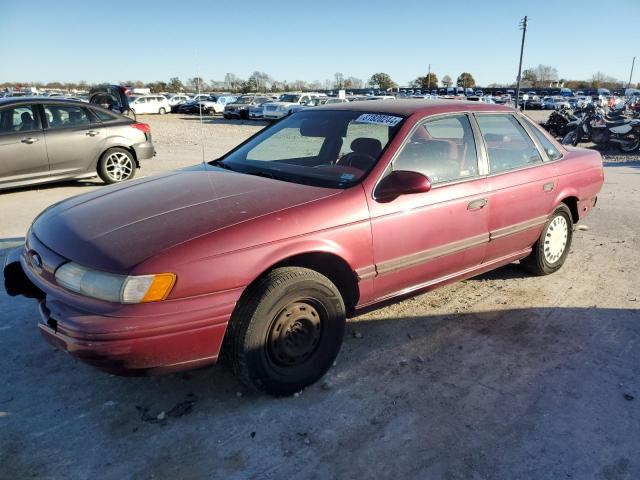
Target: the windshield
pixel 289 98
pixel 333 149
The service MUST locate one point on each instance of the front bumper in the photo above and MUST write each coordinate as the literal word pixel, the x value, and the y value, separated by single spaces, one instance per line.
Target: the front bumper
pixel 140 339
pixel 275 114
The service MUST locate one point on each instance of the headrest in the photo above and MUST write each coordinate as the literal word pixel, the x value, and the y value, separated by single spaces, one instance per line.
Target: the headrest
pixel 370 146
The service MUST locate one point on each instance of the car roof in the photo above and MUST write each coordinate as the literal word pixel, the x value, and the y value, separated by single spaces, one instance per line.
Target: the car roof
pixel 416 106
pixel 34 99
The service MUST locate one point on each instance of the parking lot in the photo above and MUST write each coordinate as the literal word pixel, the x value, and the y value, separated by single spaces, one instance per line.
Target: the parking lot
pixel 505 375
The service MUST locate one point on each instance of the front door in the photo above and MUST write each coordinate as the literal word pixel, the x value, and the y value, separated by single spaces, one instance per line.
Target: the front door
pixel 422 238
pixel 23 154
pixel 74 139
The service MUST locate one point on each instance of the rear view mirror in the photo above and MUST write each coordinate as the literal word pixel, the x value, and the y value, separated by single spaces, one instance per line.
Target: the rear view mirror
pixel 401 182
pixel 315 128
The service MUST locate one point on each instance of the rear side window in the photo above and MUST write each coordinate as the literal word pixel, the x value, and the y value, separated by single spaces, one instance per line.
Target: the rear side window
pixel 66 116
pixel 18 119
pixel 552 152
pixel 508 144
pixel 442 149
pixel 104 116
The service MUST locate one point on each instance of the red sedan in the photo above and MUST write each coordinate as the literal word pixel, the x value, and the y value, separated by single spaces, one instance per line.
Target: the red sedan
pixel 263 253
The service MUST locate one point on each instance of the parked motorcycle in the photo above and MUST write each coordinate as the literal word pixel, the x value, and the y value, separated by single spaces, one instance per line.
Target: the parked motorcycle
pixel 594 126
pixel 559 122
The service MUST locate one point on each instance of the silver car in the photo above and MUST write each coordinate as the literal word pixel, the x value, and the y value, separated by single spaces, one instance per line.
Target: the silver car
pixel 47 140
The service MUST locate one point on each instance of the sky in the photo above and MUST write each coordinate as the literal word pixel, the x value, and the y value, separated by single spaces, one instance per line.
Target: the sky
pixel 309 40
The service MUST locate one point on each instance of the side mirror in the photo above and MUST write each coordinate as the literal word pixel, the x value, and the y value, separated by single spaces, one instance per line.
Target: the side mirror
pixel 401 182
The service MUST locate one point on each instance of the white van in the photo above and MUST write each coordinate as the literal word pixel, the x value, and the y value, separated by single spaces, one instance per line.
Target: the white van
pixel 149 104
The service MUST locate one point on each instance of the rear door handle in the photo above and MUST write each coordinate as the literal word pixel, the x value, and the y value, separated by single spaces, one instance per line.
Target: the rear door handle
pixel 92 133
pixel 477 204
pixel 29 140
pixel 548 187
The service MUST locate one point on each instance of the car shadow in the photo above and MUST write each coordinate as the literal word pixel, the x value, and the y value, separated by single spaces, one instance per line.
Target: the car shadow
pixel 458 377
pixel 90 182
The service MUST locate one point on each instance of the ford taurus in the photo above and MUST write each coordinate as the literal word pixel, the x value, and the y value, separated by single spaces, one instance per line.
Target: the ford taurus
pixel 262 254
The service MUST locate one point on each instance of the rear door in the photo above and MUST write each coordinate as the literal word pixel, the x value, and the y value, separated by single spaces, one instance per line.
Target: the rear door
pixel 74 138
pixel 23 154
pixel 521 186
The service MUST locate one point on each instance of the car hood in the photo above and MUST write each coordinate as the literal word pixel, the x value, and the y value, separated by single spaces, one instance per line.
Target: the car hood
pixel 115 228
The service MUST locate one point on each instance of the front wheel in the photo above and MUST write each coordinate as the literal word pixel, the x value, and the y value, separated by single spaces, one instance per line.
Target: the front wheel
pixel 552 247
pixel 571 138
pixel 632 143
pixel 286 331
pixel 116 165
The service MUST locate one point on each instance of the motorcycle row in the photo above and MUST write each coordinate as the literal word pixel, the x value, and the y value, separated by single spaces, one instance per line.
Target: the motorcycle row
pixel 593 122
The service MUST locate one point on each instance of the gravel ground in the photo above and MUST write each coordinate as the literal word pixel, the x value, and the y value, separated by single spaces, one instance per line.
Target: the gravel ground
pixel 503 376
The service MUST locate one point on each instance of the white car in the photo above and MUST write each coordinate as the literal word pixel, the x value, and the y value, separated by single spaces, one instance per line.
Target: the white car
pixel 215 104
pixel 178 99
pixel 282 108
pixel 149 104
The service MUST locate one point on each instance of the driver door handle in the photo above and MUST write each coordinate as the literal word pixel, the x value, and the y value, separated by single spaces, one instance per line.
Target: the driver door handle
pixel 477 204
pixel 92 133
pixel 29 140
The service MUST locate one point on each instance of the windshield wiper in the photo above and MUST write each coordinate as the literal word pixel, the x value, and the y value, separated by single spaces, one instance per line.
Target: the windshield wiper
pixel 271 175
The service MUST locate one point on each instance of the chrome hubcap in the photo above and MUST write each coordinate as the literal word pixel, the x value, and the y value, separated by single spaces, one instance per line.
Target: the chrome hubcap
pixel 119 166
pixel 555 241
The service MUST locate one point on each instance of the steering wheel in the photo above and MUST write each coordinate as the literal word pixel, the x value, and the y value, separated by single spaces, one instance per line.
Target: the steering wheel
pixel 358 158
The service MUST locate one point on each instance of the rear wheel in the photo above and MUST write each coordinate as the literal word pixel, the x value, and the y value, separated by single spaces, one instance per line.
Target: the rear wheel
pixel 116 165
pixel 162 111
pixel 286 331
pixel 552 247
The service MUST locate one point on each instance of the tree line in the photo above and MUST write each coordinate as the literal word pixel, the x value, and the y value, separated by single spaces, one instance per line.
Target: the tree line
pixel 542 76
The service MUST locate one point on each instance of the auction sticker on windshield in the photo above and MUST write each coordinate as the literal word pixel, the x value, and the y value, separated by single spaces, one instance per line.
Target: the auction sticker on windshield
pixel 376 118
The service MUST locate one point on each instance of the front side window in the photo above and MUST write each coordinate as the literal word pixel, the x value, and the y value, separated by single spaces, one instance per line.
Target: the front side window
pixel 442 149
pixel 18 119
pixel 62 116
pixel 508 145
pixel 330 149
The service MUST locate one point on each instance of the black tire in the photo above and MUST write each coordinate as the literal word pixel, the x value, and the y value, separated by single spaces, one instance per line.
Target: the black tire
pixel 634 146
pixel 286 331
pixel 541 261
pixel 130 113
pixel 571 138
pixel 162 111
pixel 111 173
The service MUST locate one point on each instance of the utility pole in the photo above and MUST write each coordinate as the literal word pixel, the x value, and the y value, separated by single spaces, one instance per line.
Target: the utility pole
pixel 631 74
pixel 523 27
pixel 429 78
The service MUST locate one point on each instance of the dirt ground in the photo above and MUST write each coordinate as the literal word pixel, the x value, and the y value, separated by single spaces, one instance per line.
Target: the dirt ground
pixel 504 376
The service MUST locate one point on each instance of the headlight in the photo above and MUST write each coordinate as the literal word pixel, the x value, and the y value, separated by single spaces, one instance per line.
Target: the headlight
pixel 115 288
pixel 282 107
